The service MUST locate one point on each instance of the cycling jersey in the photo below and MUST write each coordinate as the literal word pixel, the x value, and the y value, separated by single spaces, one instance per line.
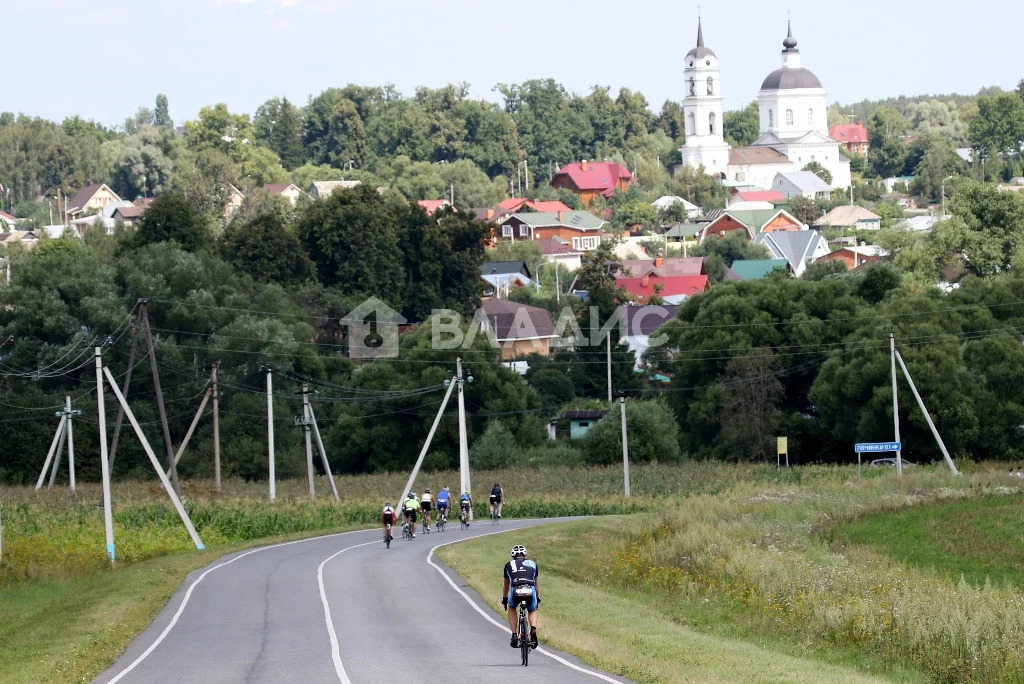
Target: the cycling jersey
pixel 387 515
pixel 442 499
pixel 522 572
pixel 411 505
pixel 426 497
pixel 496 494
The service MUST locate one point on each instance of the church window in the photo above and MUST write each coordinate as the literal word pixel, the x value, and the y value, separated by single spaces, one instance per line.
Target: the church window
pixel 771 119
pixel 789 117
pixel 711 86
pixel 693 87
pixel 711 122
pixel 691 127
pixel 810 117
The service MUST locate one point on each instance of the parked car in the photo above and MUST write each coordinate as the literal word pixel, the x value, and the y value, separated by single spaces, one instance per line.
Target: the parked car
pixel 891 462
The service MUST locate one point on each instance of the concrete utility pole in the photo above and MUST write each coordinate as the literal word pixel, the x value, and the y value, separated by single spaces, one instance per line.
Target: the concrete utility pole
pixel 306 421
pixel 895 404
pixel 55 445
pixel 216 425
pixel 71 441
pixel 625 444
pixel 136 327
pixel 270 433
pixel 463 438
pixel 426 444
pixel 323 453
pixel 609 347
pixel 108 520
pixel 927 417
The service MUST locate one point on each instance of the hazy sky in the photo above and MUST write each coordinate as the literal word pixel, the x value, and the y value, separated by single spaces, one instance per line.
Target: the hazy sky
pixel 103 58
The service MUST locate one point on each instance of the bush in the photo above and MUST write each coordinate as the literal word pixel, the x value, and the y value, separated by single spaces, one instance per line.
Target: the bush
pixel 496 448
pixel 652 430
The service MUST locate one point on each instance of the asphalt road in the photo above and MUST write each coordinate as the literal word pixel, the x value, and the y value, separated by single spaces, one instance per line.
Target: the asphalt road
pixel 338 609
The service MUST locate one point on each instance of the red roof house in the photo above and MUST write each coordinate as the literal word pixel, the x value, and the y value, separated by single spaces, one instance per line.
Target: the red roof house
pixel 854 137
pixel 590 179
pixel 673 289
pixel 433 206
pixel 772 196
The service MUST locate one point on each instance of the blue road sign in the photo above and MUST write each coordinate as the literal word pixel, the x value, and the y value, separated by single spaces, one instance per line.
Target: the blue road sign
pixel 877 447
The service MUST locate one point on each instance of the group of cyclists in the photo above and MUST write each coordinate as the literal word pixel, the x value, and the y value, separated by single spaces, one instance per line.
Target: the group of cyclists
pixel 519 571
pixel 415 505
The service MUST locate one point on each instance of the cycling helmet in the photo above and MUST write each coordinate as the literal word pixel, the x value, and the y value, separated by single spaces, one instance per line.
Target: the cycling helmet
pixel 412 495
pixel 387 505
pixel 427 490
pixel 518 550
pixel 445 489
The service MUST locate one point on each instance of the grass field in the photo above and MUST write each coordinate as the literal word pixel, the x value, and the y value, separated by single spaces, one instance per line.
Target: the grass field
pixel 980 540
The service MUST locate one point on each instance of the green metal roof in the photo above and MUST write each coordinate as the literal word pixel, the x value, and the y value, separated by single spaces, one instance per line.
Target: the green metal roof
pixel 753 218
pixel 753 269
pixel 687 230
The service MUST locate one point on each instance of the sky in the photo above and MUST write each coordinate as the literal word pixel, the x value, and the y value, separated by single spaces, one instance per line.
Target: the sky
pixel 102 59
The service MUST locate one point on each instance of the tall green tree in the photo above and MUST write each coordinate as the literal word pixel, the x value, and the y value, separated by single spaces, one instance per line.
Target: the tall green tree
pixel 998 130
pixel 278 125
pixel 172 217
pixel 887 154
pixel 265 248
pixel 741 127
pixel 162 114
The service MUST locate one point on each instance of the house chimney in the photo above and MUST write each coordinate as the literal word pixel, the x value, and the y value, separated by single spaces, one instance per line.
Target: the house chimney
pixel 561 213
pixel 584 165
pixel 645 281
pixel 658 262
pixel 490 213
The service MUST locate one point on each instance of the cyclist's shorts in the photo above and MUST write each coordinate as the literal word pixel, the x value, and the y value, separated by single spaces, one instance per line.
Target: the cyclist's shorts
pixel 495 499
pixel 389 518
pixel 464 505
pixel 442 505
pixel 411 514
pixel 426 506
pixel 531 606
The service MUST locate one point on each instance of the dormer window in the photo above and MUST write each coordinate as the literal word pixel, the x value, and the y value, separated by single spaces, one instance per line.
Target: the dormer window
pixel 711 86
pixel 771 119
pixel 789 117
pixel 693 87
pixel 691 62
pixel 810 117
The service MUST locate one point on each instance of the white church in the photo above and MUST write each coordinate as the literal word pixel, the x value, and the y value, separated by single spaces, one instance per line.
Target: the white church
pixel 793 123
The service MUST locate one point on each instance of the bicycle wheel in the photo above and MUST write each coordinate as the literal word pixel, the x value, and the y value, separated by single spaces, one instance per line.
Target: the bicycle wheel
pixel 387 538
pixel 524 635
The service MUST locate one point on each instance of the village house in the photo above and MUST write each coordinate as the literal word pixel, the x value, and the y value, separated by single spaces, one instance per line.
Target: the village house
pixel 850 217
pixel 7 222
pixel 559 251
pixel 433 206
pixel 580 229
pixel 90 200
pixel 855 256
pixel 641 323
pixel 660 266
pixel 801 184
pixel 670 289
pixel 751 222
pixel 590 180
pixel 323 189
pixel 798 247
pixel 755 269
pixel 580 421
pixel 500 276
pixel 853 137
pixel 290 191
pixel 519 329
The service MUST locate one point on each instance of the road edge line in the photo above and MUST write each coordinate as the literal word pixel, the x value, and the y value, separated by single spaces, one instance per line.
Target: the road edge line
pixel 188 594
pixel 339 668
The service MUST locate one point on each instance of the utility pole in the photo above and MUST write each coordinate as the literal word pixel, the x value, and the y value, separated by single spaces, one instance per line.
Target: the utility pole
pixel 159 398
pixel 426 444
pixel 463 438
pixel 108 519
pixel 323 453
pixel 895 403
pixel 136 327
pixel 309 446
pixel 71 441
pixel 270 433
pixel 927 417
pixel 625 444
pixel 57 435
pixel 216 425
pixel 558 285
pixel 609 348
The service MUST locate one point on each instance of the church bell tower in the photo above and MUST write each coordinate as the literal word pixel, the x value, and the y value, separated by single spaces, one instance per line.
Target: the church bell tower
pixel 702 110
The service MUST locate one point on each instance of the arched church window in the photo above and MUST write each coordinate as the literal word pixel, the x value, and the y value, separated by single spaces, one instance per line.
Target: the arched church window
pixel 711 86
pixel 789 117
pixel 711 123
pixel 771 119
pixel 693 87
pixel 810 116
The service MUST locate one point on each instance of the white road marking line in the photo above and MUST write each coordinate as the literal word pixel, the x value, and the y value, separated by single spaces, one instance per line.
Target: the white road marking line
pixel 491 619
pixel 188 595
pixel 335 653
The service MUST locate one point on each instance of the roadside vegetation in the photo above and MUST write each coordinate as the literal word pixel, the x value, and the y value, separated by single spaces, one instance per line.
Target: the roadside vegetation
pixel 776 565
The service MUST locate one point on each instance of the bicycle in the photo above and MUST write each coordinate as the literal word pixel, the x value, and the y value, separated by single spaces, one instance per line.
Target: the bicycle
pixel 522 595
pixel 442 520
pixel 388 537
pixel 494 515
pixel 406 532
pixel 464 518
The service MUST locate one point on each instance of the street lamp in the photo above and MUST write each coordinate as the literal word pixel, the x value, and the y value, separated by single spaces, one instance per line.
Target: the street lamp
pixel 942 186
pixel 349 165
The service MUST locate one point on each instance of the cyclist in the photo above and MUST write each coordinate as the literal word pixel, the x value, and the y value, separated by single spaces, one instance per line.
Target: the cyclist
pixel 519 572
pixel 443 502
pixel 427 504
pixel 387 517
pixel 465 505
pixel 497 499
pixel 410 507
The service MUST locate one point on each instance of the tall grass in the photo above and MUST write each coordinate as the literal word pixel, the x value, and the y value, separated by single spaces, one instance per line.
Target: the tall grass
pixel 771 550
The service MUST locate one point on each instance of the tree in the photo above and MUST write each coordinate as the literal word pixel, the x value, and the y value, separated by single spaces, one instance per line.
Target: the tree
pixel 218 129
pixel 804 210
pixel 634 213
pixel 749 411
pixel 720 253
pixel 172 217
pixel 939 162
pixel 266 249
pixel 998 129
pixel 890 212
pixel 162 115
pixel 495 448
pixel 820 171
pixel 261 166
pixel 672 121
pixel 741 127
pixel 352 239
pixel 278 126
pixel 886 129
pixel 471 185
pixel 143 165
pixel 653 435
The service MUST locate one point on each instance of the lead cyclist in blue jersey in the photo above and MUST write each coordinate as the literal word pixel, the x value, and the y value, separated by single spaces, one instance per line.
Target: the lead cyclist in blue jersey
pixel 518 572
